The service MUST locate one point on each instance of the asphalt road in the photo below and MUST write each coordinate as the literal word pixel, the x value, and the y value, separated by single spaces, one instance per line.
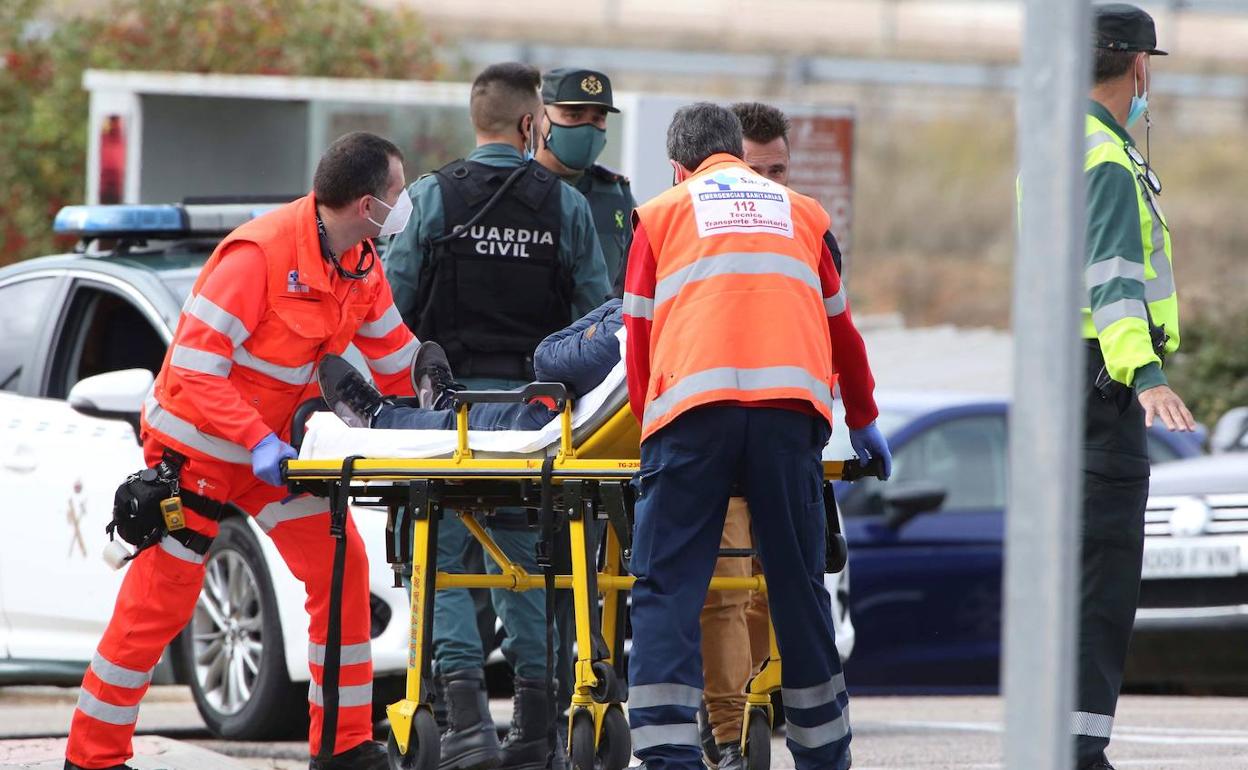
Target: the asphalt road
pixel 1151 733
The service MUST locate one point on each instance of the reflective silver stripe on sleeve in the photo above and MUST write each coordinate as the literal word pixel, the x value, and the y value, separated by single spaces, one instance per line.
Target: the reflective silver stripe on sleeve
pixel 389 321
pixel 819 735
pixel 1161 286
pixel 638 306
pixel 352 654
pixel 200 361
pixel 736 263
pixel 739 379
pixel 182 431
pixel 291 375
pixel 216 317
pixel 835 305
pixel 1100 273
pixel 651 695
pixel 1098 138
pixel 1103 316
pixel 352 695
pixel 118 676
pixel 814 696
pixel 398 361
pixel 179 551
pixel 1093 725
pixel 106 712
pixel 649 736
pixel 300 508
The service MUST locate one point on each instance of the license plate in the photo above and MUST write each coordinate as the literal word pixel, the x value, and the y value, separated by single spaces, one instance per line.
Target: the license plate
pixel 1177 560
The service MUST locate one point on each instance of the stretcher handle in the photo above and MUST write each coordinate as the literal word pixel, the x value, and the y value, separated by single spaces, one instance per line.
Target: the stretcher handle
pixel 556 391
pixel 299 422
pixel 852 470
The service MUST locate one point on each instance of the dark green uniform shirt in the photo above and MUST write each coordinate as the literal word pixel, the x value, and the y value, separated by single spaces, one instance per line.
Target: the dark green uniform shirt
pixel 1114 233
pixel 579 249
pixel 611 201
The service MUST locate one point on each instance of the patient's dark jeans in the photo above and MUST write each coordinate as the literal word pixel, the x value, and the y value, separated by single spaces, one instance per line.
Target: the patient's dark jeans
pixel 480 417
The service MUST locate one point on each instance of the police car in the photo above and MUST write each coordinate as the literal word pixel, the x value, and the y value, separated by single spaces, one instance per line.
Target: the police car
pixel 81 336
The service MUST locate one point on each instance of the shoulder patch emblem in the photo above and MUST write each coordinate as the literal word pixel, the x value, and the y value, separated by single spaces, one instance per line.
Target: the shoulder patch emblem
pixel 619 218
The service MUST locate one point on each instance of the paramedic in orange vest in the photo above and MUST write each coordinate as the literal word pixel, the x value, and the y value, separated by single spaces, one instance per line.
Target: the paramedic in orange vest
pixel 737 323
pixel 277 294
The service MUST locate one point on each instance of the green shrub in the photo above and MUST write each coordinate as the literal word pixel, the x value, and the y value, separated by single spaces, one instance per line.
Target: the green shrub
pixel 1210 371
pixel 43 108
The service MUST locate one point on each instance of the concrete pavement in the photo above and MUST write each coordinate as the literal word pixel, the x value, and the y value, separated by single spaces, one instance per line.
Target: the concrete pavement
pixel 902 733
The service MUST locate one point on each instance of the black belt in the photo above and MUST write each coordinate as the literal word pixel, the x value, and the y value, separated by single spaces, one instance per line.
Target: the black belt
pixel 206 507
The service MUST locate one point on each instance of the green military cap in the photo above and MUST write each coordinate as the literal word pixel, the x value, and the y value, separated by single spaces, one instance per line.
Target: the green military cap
pixel 570 85
pixel 1123 27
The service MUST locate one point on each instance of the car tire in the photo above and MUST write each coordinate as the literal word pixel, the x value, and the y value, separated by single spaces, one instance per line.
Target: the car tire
pixel 237 674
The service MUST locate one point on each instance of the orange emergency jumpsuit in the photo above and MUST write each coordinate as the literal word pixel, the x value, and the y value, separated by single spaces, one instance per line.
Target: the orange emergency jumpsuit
pixel 266 307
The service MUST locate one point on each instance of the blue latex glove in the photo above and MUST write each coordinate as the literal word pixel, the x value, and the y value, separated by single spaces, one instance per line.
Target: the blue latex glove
pixel 868 442
pixel 267 456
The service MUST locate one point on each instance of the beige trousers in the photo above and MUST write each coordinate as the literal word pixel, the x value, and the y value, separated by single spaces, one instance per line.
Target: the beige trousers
pixel 734 631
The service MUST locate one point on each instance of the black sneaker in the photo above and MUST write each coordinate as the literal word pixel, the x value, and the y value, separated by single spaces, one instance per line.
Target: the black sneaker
pixel 369 755
pixel 71 766
pixel 346 392
pixel 1098 764
pixel 432 378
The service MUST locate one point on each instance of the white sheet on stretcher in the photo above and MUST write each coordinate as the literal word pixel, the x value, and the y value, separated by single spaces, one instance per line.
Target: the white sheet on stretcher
pixel 329 437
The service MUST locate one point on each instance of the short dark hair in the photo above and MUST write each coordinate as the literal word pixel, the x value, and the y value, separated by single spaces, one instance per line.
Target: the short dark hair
pixel 762 123
pixel 502 94
pixel 701 130
pixel 1108 64
pixel 355 165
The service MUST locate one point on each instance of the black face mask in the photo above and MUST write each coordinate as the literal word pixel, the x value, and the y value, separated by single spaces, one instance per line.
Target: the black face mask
pixel 368 256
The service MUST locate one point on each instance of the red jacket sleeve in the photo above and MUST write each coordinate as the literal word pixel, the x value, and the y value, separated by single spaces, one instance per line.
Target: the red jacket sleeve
pixel 387 344
pixel 228 307
pixel 849 354
pixel 639 285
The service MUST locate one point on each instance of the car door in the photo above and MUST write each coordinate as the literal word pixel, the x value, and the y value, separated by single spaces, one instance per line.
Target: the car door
pixel 926 599
pixel 60 592
pixel 24 303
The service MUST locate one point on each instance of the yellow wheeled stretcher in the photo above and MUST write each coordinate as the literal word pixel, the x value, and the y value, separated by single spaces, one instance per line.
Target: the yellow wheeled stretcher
pixel 583 477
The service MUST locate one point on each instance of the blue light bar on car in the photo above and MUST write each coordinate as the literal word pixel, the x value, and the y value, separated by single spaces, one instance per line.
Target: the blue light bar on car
pixel 101 221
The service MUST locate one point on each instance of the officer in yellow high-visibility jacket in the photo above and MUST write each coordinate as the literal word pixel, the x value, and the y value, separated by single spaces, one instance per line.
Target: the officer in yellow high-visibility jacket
pixel 1130 322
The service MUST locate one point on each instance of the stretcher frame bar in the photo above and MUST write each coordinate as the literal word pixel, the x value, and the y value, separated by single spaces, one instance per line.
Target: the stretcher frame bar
pixel 499 469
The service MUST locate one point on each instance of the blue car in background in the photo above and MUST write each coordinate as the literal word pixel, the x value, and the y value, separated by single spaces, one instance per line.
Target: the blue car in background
pixel 925 548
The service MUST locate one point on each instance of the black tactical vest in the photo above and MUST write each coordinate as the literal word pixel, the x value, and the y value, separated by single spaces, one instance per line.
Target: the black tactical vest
pixel 493 287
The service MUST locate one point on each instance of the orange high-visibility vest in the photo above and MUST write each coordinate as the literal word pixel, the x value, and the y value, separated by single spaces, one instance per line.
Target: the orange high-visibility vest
pixel 738 309
pixel 308 313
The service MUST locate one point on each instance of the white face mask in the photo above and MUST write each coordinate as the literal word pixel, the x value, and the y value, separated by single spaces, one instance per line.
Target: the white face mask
pixel 396 220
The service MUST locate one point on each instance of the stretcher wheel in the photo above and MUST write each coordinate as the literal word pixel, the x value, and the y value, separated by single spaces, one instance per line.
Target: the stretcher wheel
pixel 605 675
pixel 615 745
pixel 758 740
pixel 582 741
pixel 838 553
pixel 424 747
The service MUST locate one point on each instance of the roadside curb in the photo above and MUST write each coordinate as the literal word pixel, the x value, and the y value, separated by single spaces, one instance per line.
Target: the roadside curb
pixel 151 753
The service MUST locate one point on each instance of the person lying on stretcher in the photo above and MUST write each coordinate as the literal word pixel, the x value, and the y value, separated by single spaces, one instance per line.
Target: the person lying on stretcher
pixel 579 356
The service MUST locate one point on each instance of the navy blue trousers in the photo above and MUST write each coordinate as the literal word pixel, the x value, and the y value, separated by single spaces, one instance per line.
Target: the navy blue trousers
pixel 688 470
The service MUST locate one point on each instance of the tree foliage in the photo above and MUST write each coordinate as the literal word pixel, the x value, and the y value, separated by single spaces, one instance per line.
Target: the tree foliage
pixel 43 107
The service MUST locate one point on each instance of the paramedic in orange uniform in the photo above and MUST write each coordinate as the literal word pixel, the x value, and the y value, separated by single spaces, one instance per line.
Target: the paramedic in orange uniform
pixel 277 294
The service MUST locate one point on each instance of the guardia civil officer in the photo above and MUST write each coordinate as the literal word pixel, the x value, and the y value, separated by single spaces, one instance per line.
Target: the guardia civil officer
pixel 500 254
pixel 577 102
pixel 1130 323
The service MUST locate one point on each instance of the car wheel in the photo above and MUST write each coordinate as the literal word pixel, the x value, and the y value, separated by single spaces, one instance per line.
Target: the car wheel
pixel 233 649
